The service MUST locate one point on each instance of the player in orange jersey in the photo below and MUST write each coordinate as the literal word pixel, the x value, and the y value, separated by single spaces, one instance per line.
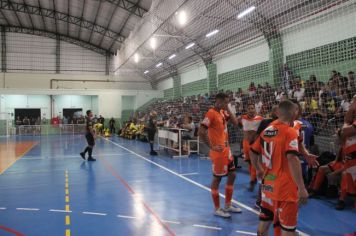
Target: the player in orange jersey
pixel 348 138
pixel 275 156
pixel 250 123
pixel 213 131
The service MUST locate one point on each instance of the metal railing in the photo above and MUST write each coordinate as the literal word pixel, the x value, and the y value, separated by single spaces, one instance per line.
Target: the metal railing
pixel 48 129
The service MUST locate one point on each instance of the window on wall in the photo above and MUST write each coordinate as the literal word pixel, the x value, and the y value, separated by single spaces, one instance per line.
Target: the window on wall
pixel 71 113
pixel 31 113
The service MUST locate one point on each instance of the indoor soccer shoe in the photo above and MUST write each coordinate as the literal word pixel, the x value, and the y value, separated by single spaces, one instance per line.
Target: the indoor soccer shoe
pixel 221 213
pixel 82 155
pixel 91 159
pixel 232 209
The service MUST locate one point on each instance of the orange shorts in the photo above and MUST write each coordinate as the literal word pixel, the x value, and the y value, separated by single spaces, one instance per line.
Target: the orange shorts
pixel 283 214
pixel 246 149
pixel 336 165
pixel 222 162
pixel 348 181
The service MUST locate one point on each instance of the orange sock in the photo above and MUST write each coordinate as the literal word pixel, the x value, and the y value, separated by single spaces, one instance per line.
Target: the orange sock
pixel 319 180
pixel 277 231
pixel 215 196
pixel 229 189
pixel 253 176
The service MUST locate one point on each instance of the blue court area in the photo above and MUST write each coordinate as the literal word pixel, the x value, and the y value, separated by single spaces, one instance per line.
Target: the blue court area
pixel 127 192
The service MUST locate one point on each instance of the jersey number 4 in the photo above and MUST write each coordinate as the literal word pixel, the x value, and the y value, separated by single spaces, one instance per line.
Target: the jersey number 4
pixel 267 154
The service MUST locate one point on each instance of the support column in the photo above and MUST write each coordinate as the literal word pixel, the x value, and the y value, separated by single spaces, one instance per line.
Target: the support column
pixel 212 77
pixel 276 59
pixel 58 55
pixel 177 86
pixel 107 63
pixel 3 50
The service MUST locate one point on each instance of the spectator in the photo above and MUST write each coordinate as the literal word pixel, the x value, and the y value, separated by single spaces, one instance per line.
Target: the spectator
pixel 112 125
pixel 252 90
pixel 18 121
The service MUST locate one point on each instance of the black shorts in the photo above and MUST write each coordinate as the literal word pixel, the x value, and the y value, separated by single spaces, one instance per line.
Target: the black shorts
pixel 90 139
pixel 151 135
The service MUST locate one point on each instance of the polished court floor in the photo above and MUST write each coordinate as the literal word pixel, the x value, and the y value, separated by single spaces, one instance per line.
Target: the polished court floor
pixel 47 189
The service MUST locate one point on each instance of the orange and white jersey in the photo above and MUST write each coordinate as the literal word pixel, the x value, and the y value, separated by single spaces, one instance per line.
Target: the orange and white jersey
pixel 250 124
pixel 350 144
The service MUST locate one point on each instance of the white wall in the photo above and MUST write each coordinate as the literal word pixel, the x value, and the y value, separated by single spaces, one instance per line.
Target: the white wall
pixel 105 102
pixel 325 29
pixel 74 101
pixel 243 56
pixel 193 73
pixel 43 81
pixel 27 101
pixel 165 84
pixel 30 53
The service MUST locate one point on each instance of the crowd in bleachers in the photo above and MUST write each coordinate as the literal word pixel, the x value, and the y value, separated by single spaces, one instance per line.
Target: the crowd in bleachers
pixel 323 104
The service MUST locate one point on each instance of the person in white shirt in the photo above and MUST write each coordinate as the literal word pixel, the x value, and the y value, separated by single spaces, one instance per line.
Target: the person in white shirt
pixel 298 93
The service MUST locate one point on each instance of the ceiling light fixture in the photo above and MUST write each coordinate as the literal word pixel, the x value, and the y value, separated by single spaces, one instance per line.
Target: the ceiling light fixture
pixel 153 43
pixel 172 56
pixel 136 58
pixel 146 71
pixel 189 45
pixel 212 33
pixel 245 12
pixel 159 64
pixel 182 18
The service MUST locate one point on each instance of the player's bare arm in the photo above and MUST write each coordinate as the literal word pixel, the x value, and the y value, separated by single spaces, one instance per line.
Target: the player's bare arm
pixel 296 172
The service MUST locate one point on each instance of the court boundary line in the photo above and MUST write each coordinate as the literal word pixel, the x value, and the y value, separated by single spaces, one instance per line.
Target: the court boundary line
pixel 193 182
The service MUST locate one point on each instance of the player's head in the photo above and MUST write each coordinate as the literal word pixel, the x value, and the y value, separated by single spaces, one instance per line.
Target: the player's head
pixel 153 113
pixel 287 110
pixel 221 101
pixel 89 113
pixel 251 109
pixel 274 112
pixel 299 109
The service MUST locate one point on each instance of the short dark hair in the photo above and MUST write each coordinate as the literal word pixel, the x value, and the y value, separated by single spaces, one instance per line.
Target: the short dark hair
pixel 351 73
pixel 88 112
pixel 221 96
pixel 286 107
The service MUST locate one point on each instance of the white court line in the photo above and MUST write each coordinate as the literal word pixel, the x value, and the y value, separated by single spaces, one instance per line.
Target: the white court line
pixel 245 232
pixel 2 208
pixel 127 217
pixel 27 209
pixel 64 211
pixel 208 227
pixel 171 222
pixel 195 173
pixel 69 157
pixel 193 182
pixel 94 213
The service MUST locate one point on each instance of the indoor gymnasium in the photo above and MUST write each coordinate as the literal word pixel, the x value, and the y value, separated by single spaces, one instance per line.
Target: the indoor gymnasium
pixel 177 117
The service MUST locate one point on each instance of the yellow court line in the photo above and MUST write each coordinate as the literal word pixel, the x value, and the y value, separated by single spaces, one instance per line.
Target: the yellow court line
pixel 67 198
pixel 67 220
pixel 67 208
pixel 66 185
pixel 67 232
pixel 20 156
pixel 67 191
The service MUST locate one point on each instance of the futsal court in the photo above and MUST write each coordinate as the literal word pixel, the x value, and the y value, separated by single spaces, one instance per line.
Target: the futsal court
pixel 127 192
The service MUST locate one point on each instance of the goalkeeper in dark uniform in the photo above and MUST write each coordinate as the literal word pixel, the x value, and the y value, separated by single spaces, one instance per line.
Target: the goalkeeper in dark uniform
pixel 90 136
pixel 151 131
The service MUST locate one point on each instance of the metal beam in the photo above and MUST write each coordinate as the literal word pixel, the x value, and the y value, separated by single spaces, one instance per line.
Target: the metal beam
pixel 58 54
pixel 50 13
pixel 55 19
pixel 96 16
pixel 43 20
pixel 48 34
pixel 68 10
pixel 125 21
pixel 107 26
pixel 3 50
pixel 11 5
pixel 29 16
pixel 80 28
pixel 129 6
